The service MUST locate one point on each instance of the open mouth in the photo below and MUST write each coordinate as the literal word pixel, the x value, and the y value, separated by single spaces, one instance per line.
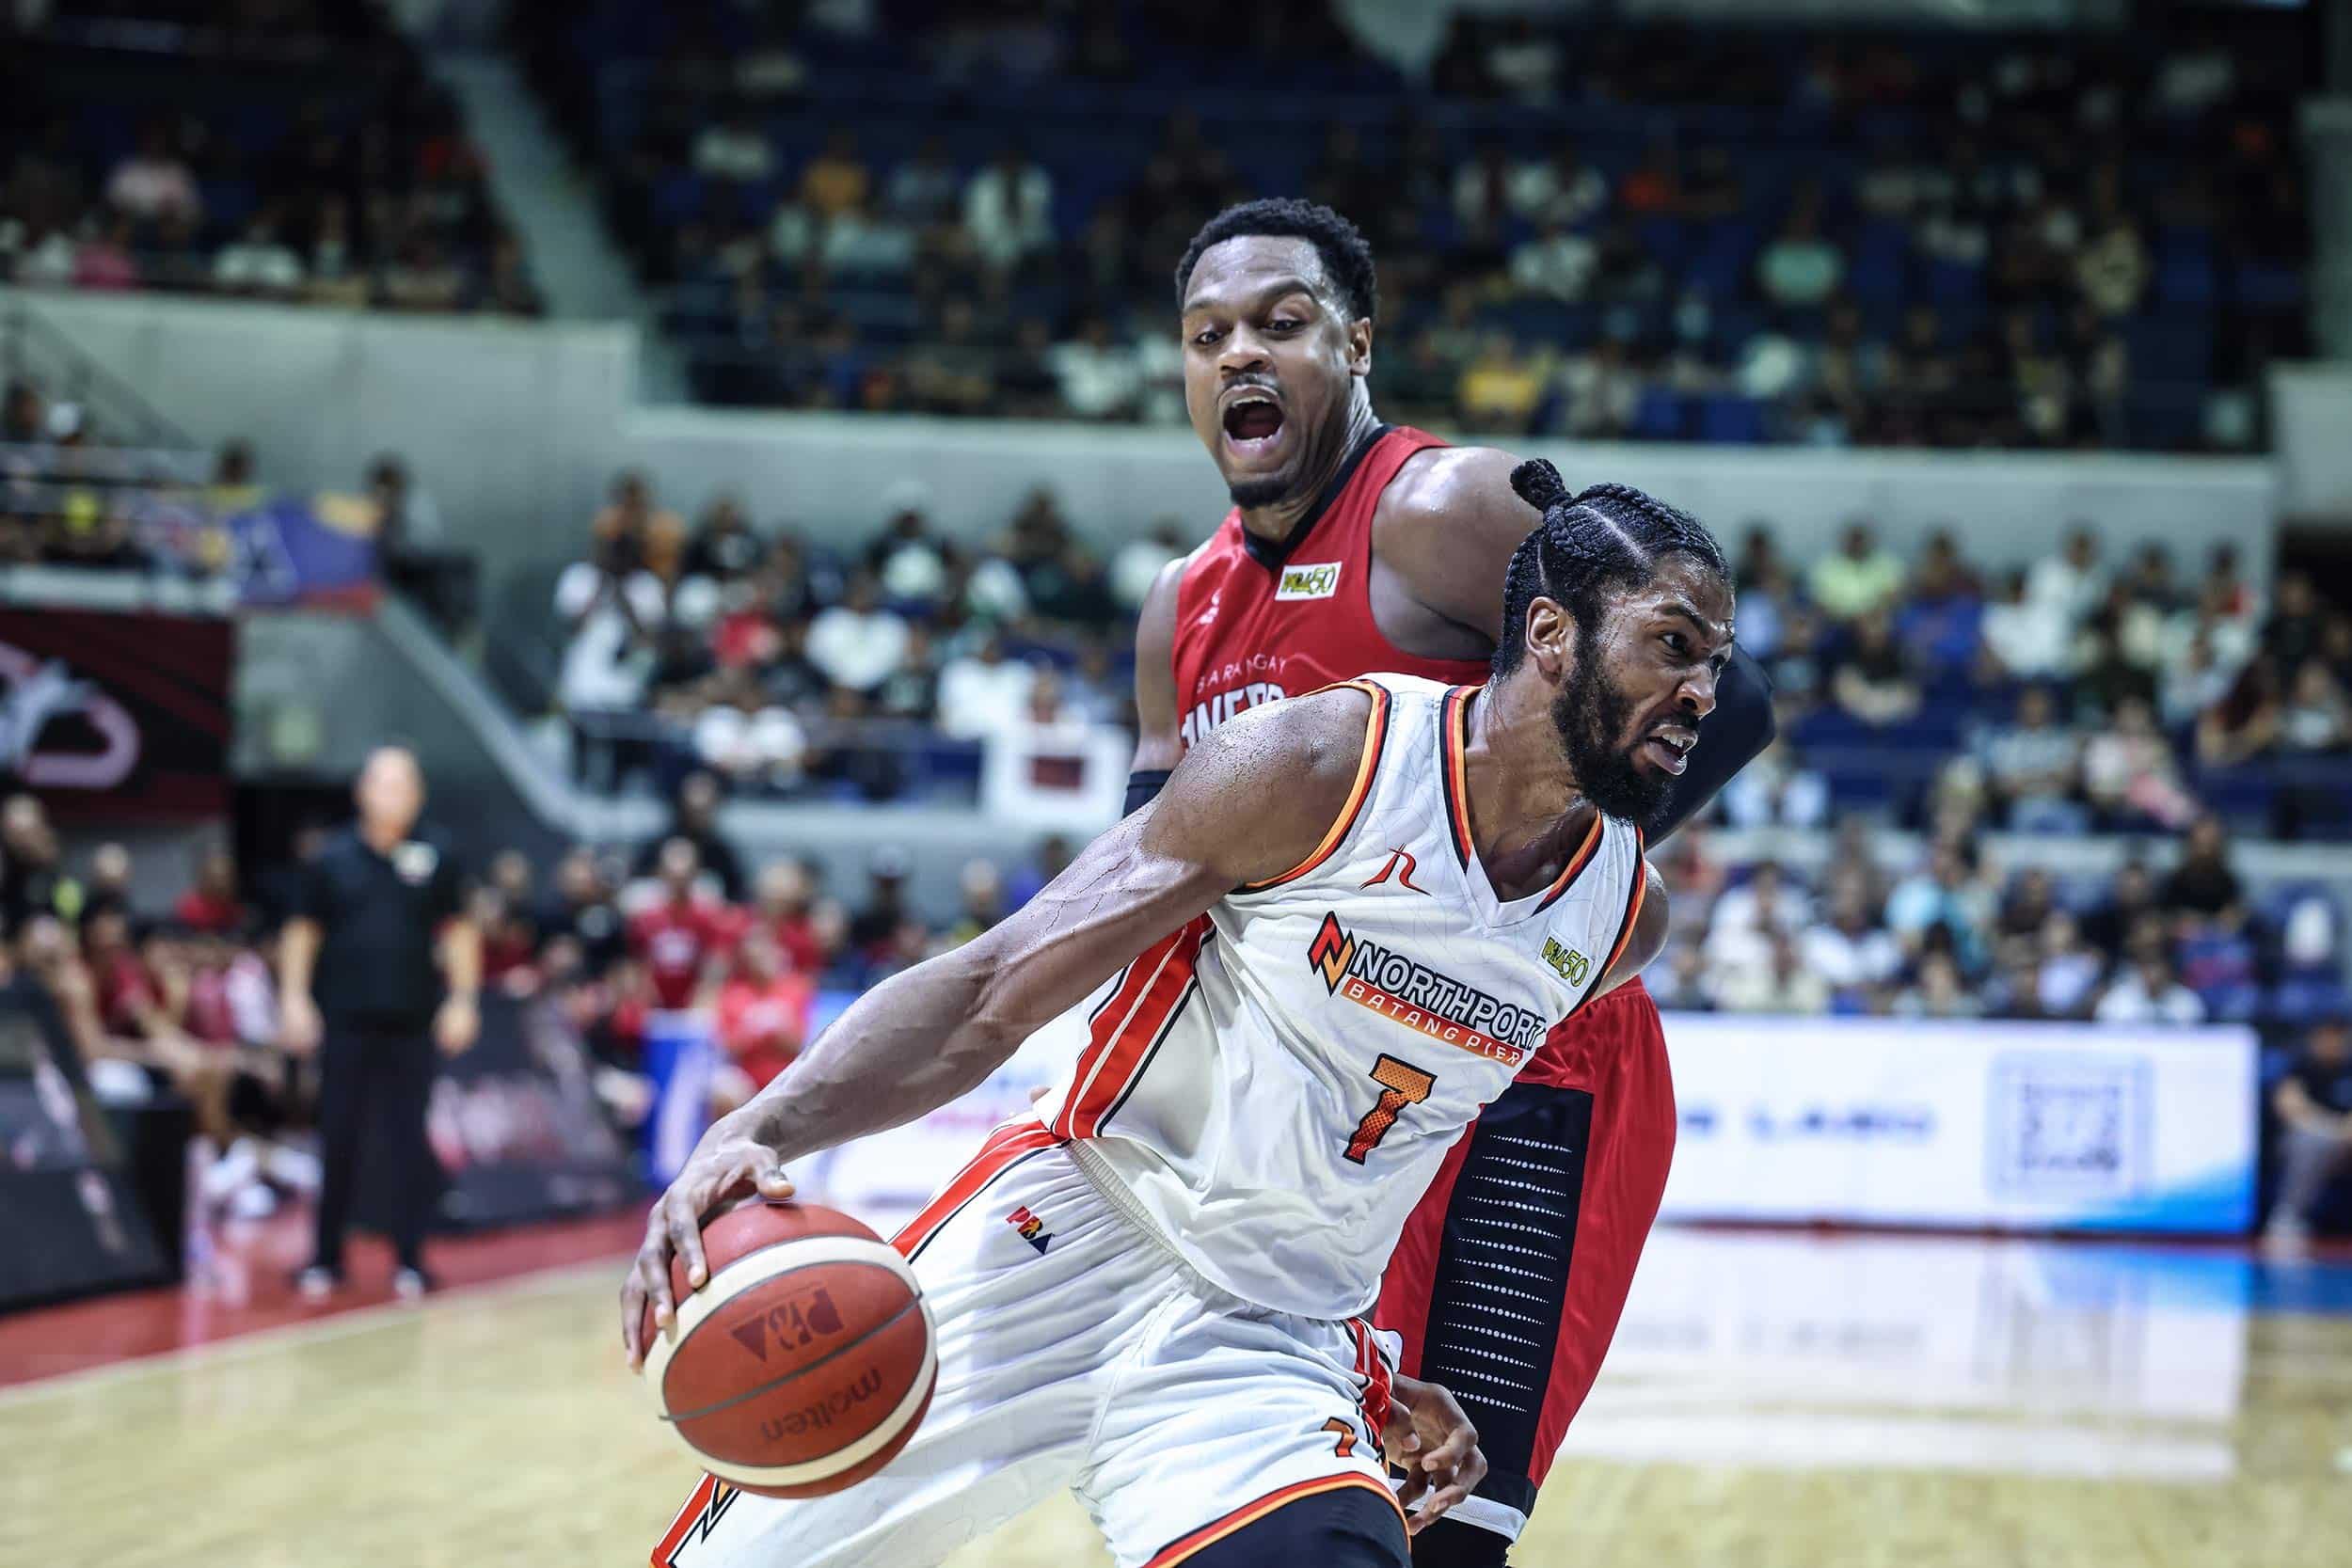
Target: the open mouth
pixel 1669 750
pixel 1253 423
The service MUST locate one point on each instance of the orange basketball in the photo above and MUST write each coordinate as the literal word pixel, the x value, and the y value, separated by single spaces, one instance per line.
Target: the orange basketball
pixel 805 1363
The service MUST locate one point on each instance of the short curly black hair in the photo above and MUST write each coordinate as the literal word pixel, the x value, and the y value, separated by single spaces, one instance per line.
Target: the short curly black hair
pixel 1346 256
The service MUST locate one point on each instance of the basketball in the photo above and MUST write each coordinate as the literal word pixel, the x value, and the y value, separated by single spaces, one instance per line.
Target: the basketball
pixel 805 1363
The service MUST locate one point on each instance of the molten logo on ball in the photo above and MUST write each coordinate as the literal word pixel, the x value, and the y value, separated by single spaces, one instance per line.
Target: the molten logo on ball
pixel 820 1413
pixel 791 1324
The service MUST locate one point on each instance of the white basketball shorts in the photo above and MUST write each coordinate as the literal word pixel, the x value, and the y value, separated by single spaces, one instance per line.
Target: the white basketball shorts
pixel 1075 1349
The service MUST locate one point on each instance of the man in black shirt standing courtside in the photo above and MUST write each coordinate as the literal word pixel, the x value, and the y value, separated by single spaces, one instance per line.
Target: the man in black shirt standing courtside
pixel 358 981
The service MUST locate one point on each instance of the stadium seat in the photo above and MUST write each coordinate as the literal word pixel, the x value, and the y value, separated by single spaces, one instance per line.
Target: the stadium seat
pixel 1662 414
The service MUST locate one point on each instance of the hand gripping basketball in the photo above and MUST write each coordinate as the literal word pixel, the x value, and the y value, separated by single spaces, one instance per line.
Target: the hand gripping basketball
pixel 727 1164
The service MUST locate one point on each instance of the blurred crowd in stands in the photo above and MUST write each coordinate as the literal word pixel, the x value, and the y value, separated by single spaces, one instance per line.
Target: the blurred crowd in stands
pixel 1629 231
pixel 298 156
pixel 184 992
pixel 2073 693
pixel 759 653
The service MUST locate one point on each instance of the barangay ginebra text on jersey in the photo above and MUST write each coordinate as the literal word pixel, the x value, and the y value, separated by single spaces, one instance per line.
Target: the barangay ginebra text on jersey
pixel 1256 623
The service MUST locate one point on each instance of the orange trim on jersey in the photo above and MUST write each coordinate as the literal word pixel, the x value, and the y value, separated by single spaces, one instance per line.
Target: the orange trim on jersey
pixel 1004 1146
pixel 1117 1055
pixel 1633 918
pixel 1375 736
pixel 1575 864
pixel 1453 767
pixel 1249 1513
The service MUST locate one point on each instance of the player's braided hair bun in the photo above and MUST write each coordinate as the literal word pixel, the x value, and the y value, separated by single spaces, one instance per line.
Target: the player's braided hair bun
pixel 1604 536
pixel 1539 484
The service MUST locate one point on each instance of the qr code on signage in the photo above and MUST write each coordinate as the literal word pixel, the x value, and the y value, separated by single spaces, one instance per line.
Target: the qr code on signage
pixel 2066 1127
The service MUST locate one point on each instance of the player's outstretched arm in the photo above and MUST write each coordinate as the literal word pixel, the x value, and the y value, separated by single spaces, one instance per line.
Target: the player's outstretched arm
pixel 1250 802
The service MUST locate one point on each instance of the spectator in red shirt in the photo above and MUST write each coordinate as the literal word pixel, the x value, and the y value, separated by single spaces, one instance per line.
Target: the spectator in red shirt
pixel 679 940
pixel 129 1005
pixel 763 1016
pixel 210 906
pixel 782 915
pixel 510 942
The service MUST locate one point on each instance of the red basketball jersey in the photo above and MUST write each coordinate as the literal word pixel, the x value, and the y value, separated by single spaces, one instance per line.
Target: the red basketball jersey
pixel 1256 623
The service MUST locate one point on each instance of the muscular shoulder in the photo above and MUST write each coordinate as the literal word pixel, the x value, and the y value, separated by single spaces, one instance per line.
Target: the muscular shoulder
pixel 1256 794
pixel 1440 482
pixel 1447 525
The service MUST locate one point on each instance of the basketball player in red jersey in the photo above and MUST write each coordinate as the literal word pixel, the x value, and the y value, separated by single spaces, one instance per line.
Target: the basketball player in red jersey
pixel 1355 548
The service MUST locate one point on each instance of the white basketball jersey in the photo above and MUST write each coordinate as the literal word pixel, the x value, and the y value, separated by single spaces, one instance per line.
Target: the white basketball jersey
pixel 1277 1083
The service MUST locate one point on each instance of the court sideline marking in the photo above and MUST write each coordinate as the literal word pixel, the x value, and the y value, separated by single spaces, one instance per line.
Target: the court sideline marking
pixel 261 1341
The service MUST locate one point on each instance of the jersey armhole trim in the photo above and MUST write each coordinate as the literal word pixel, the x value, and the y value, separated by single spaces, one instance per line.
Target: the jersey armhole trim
pixel 1452 768
pixel 1633 918
pixel 1375 736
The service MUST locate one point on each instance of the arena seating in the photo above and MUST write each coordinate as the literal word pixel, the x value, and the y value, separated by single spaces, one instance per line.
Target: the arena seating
pixel 1980 188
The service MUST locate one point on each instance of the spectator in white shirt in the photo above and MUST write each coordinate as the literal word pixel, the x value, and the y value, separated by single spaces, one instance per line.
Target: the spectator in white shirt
pixel 857 643
pixel 2149 993
pixel 2068 974
pixel 2030 639
pixel 734 151
pixel 153 181
pixel 1009 209
pixel 1602 391
pixel 613 612
pixel 1783 982
pixel 1562 189
pixel 1556 262
pixel 1776 790
pixel 2195 678
pixel 2034 763
pixel 747 738
pixel 984 693
pixel 257 262
pixel 1852 953
pixel 2070 583
pixel 1100 377
pixel 1139 561
pixel 1801 269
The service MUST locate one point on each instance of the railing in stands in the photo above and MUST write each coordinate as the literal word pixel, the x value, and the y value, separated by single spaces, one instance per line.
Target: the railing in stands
pixel 31 349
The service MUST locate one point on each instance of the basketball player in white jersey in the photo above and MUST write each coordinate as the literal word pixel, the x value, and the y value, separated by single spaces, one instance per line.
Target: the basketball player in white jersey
pixel 1149 1293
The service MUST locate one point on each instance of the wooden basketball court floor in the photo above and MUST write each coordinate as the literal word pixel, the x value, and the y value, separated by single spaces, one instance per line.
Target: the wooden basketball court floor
pixel 1774 1401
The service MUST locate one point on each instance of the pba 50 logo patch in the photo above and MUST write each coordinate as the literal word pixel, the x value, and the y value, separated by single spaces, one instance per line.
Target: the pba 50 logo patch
pixel 1032 1229
pixel 1569 964
pixel 1310 580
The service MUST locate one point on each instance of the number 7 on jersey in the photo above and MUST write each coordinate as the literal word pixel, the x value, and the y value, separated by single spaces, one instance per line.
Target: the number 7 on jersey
pixel 1401 1085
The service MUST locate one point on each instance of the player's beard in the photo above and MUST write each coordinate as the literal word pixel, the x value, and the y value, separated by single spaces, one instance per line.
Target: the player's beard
pixel 1252 494
pixel 1591 714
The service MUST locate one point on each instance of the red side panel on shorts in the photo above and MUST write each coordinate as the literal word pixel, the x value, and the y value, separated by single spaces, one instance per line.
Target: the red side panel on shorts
pixel 1616 1050
pixel 1014 1141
